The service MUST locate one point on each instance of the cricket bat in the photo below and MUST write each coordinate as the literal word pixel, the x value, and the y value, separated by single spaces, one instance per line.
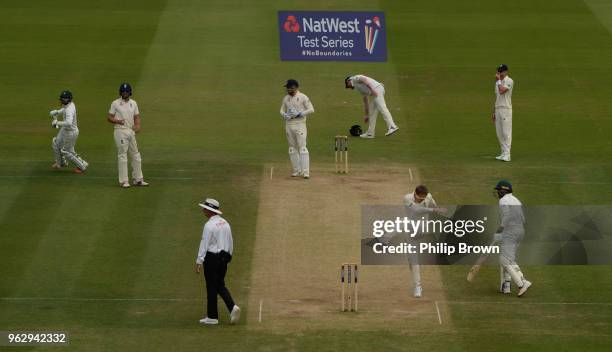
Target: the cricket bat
pixel 476 267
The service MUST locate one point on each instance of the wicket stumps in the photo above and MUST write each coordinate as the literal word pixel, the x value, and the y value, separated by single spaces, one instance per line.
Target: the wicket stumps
pixel 341 154
pixel 348 280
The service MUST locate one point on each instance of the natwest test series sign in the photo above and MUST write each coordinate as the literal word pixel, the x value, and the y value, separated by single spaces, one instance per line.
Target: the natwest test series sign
pixel 332 36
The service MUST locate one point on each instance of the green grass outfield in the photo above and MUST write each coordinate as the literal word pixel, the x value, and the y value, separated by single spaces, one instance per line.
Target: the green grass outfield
pixel 207 77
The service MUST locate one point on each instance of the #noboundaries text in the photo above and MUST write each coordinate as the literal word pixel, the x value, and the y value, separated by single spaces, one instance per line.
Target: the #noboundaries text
pixel 413 227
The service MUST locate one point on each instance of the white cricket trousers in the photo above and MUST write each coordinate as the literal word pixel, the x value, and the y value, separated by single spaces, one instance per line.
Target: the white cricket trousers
pixel 377 104
pixel 125 140
pixel 298 153
pixel 63 148
pixel 511 238
pixel 503 127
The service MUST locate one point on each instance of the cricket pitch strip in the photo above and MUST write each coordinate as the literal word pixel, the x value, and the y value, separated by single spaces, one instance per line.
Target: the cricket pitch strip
pixel 306 229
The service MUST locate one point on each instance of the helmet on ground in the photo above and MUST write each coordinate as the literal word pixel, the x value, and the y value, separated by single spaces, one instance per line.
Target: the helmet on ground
pixel 355 130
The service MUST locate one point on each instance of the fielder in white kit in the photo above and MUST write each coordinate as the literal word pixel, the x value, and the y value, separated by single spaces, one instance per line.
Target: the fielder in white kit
pixel 509 235
pixel 124 114
pixel 373 94
pixel 419 204
pixel 63 144
pixel 294 109
pixel 502 112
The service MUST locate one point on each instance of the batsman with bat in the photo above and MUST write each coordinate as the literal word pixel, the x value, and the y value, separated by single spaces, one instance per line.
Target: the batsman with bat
pixel 63 144
pixel 509 235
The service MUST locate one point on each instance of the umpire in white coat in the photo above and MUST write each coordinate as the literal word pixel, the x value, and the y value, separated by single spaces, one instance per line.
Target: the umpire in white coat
pixel 216 249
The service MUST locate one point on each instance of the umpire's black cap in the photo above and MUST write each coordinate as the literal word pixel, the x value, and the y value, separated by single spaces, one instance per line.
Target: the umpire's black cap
pixel 291 83
pixel 502 68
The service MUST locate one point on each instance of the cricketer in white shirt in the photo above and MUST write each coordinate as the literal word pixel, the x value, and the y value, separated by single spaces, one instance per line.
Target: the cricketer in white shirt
pixel 125 117
pixel 64 142
pixel 419 204
pixel 294 109
pixel 373 95
pixel 502 113
pixel 512 232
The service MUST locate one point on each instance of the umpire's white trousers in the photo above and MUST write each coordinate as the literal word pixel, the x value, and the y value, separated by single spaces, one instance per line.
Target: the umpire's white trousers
pixel 125 140
pixel 298 153
pixel 377 104
pixel 503 127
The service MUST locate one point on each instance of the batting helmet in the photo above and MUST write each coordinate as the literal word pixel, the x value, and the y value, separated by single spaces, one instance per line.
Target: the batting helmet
pixel 355 130
pixel 502 68
pixel 292 83
pixel 125 87
pixel 65 97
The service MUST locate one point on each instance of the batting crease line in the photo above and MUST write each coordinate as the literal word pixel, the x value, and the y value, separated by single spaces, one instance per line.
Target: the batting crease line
pixel 438 311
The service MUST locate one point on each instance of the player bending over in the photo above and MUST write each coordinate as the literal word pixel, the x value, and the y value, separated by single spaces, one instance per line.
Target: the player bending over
pixel 375 91
pixel 63 144
pixel 510 234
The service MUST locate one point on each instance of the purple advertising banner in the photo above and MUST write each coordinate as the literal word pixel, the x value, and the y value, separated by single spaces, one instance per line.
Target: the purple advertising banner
pixel 332 36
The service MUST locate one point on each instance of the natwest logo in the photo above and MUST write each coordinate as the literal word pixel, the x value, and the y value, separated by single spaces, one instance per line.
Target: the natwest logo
pixel 291 24
pixel 330 25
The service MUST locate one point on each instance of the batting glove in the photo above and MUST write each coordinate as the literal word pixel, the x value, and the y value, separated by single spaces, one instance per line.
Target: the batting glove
pixel 53 113
pixel 54 123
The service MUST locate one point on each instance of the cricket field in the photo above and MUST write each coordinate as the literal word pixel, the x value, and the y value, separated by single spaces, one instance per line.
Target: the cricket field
pixel 115 267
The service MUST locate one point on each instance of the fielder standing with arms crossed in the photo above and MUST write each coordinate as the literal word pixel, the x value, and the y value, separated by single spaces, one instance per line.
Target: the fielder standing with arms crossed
pixel 502 112
pixel 375 91
pixel 216 249
pixel 124 114
pixel 294 109
pixel 510 234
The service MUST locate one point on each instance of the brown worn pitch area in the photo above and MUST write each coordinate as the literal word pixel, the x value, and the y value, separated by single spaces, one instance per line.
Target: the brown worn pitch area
pixel 306 229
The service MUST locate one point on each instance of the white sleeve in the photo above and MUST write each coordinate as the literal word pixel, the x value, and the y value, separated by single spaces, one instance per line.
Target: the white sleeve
pixel 407 200
pixel 432 201
pixel 203 246
pixel 230 240
pixel 113 109
pixel 283 109
pixel 309 108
